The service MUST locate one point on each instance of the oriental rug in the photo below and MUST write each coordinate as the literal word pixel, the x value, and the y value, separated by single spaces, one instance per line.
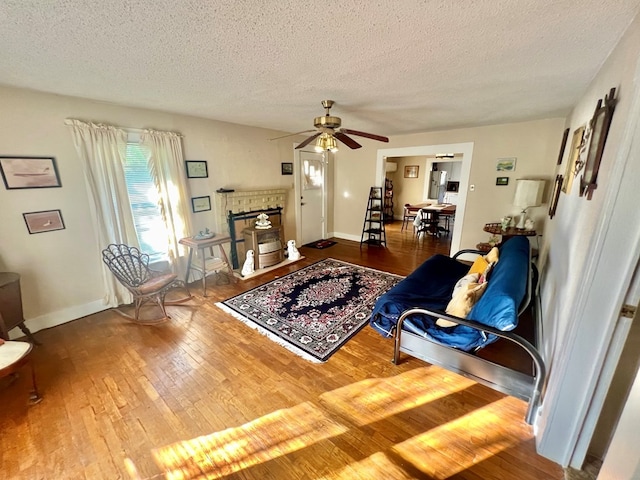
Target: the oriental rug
pixel 315 310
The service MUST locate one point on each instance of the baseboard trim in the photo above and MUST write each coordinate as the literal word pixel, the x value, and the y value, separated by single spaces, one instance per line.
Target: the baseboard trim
pixel 347 236
pixel 59 317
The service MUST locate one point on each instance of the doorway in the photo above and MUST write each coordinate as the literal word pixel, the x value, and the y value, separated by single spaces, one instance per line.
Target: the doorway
pixel 311 195
pixel 463 151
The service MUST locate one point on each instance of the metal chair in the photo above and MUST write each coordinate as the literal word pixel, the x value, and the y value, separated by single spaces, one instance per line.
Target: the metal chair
pixel 407 216
pixel 131 268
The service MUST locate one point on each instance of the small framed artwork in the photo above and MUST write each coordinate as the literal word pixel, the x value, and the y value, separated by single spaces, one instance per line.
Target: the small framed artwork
pixel 197 169
pixel 599 130
pixel 201 204
pixel 563 144
pixel 574 152
pixel 287 168
pixel 502 180
pixel 557 186
pixel 506 164
pixel 29 172
pixel 411 171
pixel 45 221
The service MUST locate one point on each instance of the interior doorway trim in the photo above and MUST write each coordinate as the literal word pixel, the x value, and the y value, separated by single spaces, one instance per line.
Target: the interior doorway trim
pixel 297 187
pixel 466 149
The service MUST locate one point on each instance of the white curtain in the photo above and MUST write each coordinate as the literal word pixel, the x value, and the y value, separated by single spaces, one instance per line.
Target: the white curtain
pixel 102 150
pixel 166 164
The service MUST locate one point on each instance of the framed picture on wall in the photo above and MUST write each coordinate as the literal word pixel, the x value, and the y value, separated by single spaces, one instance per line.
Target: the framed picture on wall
pixel 197 169
pixel 502 181
pixel 286 168
pixel 45 221
pixel 599 129
pixel 506 164
pixel 574 153
pixel 29 172
pixel 411 171
pixel 201 204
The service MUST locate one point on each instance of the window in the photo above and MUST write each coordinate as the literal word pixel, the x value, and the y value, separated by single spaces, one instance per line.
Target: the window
pixel 143 195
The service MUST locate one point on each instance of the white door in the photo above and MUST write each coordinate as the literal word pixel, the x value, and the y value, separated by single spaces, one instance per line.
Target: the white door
pixel 311 188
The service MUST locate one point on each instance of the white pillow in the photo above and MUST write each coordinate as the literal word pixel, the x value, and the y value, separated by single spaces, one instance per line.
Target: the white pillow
pixel 466 293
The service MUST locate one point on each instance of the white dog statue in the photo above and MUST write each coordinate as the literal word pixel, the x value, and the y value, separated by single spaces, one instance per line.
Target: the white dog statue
pixel 249 267
pixel 293 253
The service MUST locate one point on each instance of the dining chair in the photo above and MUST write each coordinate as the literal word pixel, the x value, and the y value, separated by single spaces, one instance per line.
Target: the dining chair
pixel 407 216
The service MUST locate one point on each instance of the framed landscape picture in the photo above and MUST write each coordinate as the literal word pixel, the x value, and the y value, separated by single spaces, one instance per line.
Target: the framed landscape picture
pixel 45 221
pixel 411 171
pixel 29 172
pixel 197 169
pixel 506 164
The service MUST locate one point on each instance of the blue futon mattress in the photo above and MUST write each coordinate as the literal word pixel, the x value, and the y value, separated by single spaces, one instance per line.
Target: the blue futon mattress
pixel 431 285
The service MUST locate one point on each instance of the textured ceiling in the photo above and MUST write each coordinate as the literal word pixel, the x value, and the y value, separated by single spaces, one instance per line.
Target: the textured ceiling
pixel 392 67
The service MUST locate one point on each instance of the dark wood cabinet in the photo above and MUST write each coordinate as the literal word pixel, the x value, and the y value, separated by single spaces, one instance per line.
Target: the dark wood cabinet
pixel 11 315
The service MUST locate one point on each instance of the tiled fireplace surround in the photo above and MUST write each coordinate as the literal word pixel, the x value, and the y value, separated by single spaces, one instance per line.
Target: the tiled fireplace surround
pixel 245 201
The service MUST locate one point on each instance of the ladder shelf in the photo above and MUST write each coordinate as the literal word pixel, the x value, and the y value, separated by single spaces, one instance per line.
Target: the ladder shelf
pixel 373 232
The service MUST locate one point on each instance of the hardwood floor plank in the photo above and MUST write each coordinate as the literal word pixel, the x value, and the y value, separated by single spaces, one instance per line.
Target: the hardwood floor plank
pixel 115 390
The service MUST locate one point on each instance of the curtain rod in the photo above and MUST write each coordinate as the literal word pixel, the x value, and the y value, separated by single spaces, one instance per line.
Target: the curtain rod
pixel 69 121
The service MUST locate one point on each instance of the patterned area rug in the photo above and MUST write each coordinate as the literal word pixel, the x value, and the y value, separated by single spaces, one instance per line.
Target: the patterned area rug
pixel 315 310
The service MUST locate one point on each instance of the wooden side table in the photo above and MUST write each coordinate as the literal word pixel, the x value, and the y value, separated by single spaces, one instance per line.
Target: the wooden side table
pixel 208 265
pixel 11 306
pixel 496 229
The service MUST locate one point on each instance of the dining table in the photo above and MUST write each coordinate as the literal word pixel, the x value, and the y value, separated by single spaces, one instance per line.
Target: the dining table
pixel 445 210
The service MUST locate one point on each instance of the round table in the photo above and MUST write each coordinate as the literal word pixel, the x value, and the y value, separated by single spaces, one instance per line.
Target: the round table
pixel 13 356
pixel 496 229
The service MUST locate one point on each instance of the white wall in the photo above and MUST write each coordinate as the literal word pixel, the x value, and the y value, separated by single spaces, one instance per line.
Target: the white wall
pixel 535 144
pixel 60 270
pixel 574 335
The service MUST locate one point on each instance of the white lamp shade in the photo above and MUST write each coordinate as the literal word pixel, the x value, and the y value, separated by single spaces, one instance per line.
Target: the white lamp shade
pixel 528 193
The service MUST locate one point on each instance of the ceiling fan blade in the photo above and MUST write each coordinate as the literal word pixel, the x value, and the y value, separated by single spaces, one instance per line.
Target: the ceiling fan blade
pixel 309 140
pixel 372 136
pixel 349 142
pixel 292 134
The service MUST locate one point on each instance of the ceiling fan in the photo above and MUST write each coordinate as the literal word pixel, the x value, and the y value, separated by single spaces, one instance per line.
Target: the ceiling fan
pixel 328 130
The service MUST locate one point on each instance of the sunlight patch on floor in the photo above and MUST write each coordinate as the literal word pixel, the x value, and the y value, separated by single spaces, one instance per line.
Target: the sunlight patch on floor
pixel 372 400
pixel 231 450
pixel 439 451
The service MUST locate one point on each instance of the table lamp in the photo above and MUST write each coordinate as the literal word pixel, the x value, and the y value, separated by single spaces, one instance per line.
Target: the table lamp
pixel 528 194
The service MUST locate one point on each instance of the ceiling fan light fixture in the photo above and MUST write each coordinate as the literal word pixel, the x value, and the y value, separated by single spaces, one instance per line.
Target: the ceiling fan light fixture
pixel 326 142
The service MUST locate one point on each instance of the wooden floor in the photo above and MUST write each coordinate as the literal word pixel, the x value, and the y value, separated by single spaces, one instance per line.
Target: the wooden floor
pixel 114 390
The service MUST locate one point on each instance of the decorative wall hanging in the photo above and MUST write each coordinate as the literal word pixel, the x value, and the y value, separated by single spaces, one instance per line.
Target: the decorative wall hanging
pixel 555 196
pixel 411 171
pixel 200 204
pixel 572 158
pixel 502 181
pixel 45 221
pixel 197 169
pixel 29 172
pixel 506 164
pixel 600 124
pixel 563 144
pixel 287 168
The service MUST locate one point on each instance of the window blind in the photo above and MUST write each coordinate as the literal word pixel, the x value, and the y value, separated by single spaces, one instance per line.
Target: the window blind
pixel 143 197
